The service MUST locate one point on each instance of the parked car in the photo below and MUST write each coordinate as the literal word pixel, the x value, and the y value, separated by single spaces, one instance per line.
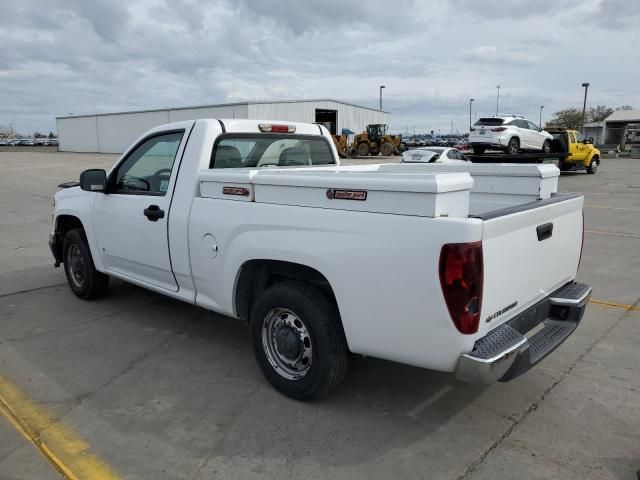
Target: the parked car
pixel 52 142
pixel 413 263
pixel 434 155
pixel 510 134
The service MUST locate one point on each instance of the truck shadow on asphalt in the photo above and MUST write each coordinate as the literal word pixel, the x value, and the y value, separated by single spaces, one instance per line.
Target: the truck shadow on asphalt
pixel 205 381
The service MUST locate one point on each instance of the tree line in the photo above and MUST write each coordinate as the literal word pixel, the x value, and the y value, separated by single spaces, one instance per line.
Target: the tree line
pixel 7 132
pixel 571 118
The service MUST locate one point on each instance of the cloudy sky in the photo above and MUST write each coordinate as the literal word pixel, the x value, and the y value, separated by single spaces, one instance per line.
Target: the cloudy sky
pixel 86 56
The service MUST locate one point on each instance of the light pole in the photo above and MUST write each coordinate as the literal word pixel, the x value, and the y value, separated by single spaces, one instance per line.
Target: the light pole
pixel 381 87
pixel 497 100
pixel 471 100
pixel 540 123
pixel 584 105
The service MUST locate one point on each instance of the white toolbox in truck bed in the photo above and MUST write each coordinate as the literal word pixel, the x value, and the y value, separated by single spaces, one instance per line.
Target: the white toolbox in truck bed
pixel 424 194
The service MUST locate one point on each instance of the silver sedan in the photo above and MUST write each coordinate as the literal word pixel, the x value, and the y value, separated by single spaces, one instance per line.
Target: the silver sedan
pixel 434 155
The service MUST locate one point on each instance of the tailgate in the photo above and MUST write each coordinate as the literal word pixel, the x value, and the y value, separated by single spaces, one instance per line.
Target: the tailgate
pixel 529 251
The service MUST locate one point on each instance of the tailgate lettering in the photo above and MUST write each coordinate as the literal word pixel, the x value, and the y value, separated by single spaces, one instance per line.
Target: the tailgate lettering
pixel 493 316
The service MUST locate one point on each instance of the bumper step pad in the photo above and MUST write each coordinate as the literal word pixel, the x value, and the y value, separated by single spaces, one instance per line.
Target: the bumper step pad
pixel 506 352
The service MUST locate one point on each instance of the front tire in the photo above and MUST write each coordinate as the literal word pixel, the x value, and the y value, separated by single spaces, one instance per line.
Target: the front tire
pixel 593 166
pixel 514 146
pixel 83 278
pixel 546 147
pixel 298 340
pixel 386 149
pixel 363 149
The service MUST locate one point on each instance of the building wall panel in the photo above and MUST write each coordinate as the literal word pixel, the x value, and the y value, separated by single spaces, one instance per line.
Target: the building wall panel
pixel 78 134
pixel 118 131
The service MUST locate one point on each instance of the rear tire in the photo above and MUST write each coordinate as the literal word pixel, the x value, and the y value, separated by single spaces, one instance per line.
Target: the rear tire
pixel 593 166
pixel 386 149
pixel 546 147
pixel 292 321
pixel 83 278
pixel 363 150
pixel 478 150
pixel 514 146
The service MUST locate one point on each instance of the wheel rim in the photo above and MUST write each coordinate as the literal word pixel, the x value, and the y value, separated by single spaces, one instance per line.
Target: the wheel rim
pixel 77 268
pixel 287 343
pixel 546 148
pixel 513 147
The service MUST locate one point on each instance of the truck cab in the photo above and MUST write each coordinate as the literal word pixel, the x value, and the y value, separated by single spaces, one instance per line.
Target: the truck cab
pixel 581 153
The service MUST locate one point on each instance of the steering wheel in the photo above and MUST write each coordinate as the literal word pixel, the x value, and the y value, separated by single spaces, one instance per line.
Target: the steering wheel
pixel 126 185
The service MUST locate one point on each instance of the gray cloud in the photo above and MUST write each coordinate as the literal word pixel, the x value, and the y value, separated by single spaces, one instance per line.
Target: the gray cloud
pixel 107 55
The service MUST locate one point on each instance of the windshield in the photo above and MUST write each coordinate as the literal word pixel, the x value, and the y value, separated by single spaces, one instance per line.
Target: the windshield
pixel 489 122
pixel 270 150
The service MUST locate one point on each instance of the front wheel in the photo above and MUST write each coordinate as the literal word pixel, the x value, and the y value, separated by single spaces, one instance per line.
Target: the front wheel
pixel 298 340
pixel 386 149
pixel 546 146
pixel 593 166
pixel 83 278
pixel 513 147
pixel 363 150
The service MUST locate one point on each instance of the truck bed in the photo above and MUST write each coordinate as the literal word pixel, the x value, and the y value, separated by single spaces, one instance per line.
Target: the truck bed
pixel 430 190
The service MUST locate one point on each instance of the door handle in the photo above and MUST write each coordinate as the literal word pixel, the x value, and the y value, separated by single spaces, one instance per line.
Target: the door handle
pixel 544 231
pixel 153 213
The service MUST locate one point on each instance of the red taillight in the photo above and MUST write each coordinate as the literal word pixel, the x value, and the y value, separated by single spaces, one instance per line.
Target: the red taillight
pixel 461 279
pixel 499 129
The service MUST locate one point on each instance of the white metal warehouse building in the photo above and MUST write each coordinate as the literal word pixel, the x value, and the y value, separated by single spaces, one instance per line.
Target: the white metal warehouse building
pixel 114 132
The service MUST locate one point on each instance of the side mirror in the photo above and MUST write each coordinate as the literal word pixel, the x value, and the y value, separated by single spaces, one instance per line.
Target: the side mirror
pixel 590 140
pixel 93 180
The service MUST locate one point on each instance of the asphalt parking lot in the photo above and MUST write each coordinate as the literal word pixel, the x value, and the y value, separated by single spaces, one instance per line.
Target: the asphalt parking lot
pixel 139 386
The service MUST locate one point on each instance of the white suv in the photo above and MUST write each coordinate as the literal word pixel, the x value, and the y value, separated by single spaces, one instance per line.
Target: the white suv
pixel 509 133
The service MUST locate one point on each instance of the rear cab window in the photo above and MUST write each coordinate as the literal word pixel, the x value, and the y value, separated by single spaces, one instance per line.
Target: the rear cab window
pixel 251 150
pixel 489 122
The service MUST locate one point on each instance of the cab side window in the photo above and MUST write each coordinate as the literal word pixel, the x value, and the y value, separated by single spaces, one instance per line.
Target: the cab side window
pixel 147 170
pixel 579 137
pixel 572 138
pixel 532 126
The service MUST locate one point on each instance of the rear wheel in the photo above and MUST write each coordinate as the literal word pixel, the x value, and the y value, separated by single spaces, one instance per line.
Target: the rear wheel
pixel 363 150
pixel 514 146
pixel 478 150
pixel 386 149
pixel 593 166
pixel 298 340
pixel 83 278
pixel 546 146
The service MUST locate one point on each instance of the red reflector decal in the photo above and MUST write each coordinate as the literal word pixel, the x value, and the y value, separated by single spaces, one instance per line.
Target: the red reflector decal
pixel 240 191
pixel 333 193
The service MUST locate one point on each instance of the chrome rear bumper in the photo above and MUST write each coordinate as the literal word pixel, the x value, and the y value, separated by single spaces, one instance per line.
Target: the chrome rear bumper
pixel 506 352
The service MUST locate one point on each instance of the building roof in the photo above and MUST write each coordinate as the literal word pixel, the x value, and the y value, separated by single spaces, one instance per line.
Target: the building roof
pixel 624 116
pixel 260 102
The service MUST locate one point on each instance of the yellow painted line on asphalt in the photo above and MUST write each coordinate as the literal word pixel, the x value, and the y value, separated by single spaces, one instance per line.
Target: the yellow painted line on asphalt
pixel 598 232
pixel 616 305
pixel 58 443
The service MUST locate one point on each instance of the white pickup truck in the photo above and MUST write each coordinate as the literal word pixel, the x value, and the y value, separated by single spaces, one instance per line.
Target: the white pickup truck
pixel 458 268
